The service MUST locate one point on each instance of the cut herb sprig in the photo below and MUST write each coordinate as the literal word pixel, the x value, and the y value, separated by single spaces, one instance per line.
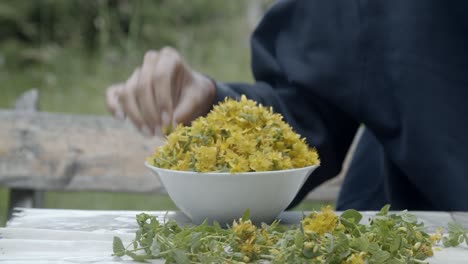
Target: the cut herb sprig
pixel 456 235
pixel 321 237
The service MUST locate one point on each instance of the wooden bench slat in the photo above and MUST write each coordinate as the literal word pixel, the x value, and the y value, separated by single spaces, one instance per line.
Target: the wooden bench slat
pixel 50 151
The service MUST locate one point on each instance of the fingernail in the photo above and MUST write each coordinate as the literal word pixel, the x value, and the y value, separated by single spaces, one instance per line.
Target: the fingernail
pixel 146 131
pixel 166 121
pixel 119 114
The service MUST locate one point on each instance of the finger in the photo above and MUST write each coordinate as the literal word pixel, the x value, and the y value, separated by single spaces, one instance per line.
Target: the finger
pixel 167 74
pixel 145 90
pixel 187 109
pixel 112 100
pixel 128 101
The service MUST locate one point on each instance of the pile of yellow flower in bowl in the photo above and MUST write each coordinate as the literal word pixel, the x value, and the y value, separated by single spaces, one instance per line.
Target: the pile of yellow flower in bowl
pixel 240 156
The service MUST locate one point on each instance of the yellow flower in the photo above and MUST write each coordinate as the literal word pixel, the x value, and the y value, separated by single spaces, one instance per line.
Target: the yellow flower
pixel 268 240
pixel 184 163
pixel 249 249
pixel 320 223
pixel 355 258
pixel 246 236
pixel 260 162
pixel 244 229
pixel 205 158
pixel 426 250
pixel 236 136
pixel 437 236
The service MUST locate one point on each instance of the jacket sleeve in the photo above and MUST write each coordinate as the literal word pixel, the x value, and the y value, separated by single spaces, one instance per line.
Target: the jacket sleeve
pixel 297 60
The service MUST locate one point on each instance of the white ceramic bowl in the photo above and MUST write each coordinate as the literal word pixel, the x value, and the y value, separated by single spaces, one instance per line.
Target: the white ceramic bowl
pixel 224 196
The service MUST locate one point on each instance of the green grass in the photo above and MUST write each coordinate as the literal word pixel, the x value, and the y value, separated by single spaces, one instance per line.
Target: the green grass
pixel 310 205
pixel 80 87
pixel 3 205
pixel 108 201
pixel 127 201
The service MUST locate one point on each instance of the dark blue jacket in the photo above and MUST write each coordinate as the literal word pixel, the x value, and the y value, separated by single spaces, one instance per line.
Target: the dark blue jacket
pixel 399 67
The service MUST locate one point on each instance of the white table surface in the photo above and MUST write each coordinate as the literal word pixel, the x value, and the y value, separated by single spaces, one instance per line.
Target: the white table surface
pixel 82 236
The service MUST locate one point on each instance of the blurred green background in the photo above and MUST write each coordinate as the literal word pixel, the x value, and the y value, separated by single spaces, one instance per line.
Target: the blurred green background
pixel 72 50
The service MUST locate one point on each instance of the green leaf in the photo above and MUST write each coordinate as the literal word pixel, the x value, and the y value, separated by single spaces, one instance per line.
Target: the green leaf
pixel 455 227
pixel 380 256
pixel 246 215
pixel 299 240
pixel 309 253
pixel 216 225
pixel 331 245
pixel 456 235
pixel 359 243
pixel 407 217
pixel 373 248
pixel 384 210
pixel 141 219
pixel 396 244
pixel 137 257
pixel 138 235
pixel 395 261
pixel 352 215
pixel 195 241
pixel 180 257
pixel 118 247
pixel 450 243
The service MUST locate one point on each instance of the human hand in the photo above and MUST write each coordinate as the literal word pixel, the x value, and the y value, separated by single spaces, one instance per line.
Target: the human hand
pixel 162 92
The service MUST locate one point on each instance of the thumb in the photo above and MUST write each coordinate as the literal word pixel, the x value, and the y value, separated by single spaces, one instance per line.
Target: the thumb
pixel 112 100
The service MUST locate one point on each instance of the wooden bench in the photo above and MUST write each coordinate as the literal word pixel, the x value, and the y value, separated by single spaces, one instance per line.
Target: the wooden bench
pixel 42 151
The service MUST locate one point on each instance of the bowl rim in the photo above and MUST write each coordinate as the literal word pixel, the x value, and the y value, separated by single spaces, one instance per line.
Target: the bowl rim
pixel 223 174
